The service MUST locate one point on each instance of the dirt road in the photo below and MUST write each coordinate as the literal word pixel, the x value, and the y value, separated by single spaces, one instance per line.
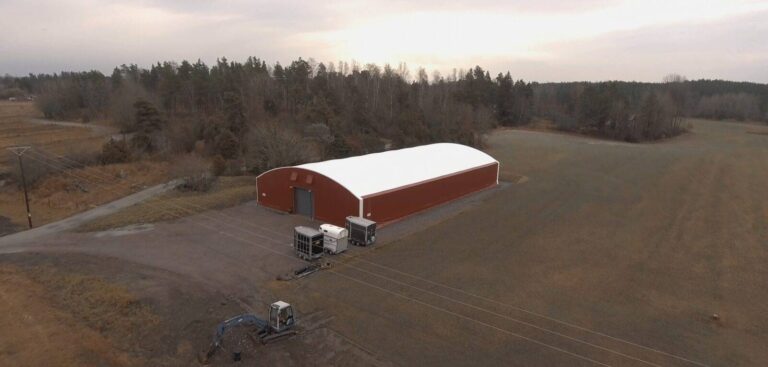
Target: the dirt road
pixel 76 220
pixel 606 254
pixel 96 129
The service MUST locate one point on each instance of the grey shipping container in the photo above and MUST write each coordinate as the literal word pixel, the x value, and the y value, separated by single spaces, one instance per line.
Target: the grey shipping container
pixel 308 243
pixel 362 232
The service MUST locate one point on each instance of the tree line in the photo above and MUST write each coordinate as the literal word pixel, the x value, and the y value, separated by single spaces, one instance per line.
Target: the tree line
pixel 257 116
pixel 636 111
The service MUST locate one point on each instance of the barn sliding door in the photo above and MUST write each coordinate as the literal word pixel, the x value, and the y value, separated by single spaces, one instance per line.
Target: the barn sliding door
pixel 303 203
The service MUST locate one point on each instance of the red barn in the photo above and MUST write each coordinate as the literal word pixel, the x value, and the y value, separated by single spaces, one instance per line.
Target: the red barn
pixel 381 186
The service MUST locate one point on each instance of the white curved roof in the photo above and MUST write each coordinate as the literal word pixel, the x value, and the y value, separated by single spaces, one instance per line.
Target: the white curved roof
pixel 373 173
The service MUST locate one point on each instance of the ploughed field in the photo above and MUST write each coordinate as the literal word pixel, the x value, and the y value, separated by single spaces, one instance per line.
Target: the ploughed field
pixel 641 243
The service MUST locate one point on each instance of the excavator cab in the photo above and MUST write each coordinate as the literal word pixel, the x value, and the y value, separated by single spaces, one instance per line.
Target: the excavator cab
pixel 280 324
pixel 280 316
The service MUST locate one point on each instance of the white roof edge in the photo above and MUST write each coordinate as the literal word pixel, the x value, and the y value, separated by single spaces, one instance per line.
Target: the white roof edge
pixel 373 173
pixel 300 166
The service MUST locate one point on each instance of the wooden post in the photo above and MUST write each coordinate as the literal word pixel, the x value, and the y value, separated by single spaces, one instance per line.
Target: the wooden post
pixel 19 151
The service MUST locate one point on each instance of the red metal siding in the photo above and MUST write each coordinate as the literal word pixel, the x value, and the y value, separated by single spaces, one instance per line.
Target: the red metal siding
pixel 394 204
pixel 332 202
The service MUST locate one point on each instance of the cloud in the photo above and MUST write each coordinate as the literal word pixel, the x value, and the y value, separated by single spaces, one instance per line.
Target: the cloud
pixel 543 40
pixel 727 49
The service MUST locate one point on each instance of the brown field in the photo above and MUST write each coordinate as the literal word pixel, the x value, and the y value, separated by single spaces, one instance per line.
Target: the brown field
pixel 74 310
pixel 30 317
pixel 63 194
pixel 227 192
pixel 641 242
pixel 16 129
pixel 608 253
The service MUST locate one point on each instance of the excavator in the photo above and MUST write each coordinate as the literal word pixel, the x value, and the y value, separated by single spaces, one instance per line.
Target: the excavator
pixel 280 324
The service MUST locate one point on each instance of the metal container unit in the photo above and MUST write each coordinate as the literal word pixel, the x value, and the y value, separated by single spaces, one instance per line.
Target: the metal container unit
pixel 362 232
pixel 308 243
pixel 335 238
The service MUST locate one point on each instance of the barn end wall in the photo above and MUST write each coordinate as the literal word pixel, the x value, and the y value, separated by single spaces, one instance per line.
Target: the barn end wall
pixel 332 202
pixel 394 204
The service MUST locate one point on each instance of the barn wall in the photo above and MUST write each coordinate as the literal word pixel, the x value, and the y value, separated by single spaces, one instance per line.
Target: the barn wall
pixel 332 202
pixel 394 204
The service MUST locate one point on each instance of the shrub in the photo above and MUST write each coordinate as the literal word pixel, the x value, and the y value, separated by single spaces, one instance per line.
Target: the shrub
pixel 183 133
pixel 194 173
pixel 227 145
pixel 114 151
pixel 141 142
pixel 218 165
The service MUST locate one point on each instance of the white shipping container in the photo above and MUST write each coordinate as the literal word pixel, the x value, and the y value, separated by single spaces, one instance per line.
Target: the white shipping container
pixel 335 238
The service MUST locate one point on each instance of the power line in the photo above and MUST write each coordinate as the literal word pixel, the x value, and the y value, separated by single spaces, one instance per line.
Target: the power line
pixel 527 311
pixel 470 319
pixel 464 292
pixel 470 294
pixel 467 304
pixel 377 287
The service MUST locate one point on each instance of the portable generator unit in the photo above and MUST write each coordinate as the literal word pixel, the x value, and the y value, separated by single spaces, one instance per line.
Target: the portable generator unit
pixel 308 243
pixel 362 232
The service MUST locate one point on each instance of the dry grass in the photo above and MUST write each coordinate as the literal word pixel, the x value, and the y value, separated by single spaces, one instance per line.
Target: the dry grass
pixel 51 318
pixel 62 195
pixel 15 129
pixel 227 192
pixel 108 308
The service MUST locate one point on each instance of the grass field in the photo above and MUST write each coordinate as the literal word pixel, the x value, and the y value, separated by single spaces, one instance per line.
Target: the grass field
pixel 16 129
pixel 63 194
pixel 77 310
pixel 644 243
pixel 609 253
pixel 65 191
pixel 227 192
pixel 72 320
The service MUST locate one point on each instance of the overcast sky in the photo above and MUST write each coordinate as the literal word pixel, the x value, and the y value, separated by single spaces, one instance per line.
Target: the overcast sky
pixel 544 40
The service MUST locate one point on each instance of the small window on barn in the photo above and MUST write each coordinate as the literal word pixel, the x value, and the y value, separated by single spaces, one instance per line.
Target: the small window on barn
pixel 294 175
pixel 309 179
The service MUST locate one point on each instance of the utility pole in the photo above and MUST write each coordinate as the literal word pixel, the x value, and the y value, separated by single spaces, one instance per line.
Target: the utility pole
pixel 19 151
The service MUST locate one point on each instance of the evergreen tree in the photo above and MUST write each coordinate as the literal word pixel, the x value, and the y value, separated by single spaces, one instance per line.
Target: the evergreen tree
pixel 148 124
pixel 227 145
pixel 234 115
pixel 116 79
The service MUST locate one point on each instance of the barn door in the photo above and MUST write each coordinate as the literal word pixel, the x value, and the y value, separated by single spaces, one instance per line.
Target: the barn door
pixel 303 203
